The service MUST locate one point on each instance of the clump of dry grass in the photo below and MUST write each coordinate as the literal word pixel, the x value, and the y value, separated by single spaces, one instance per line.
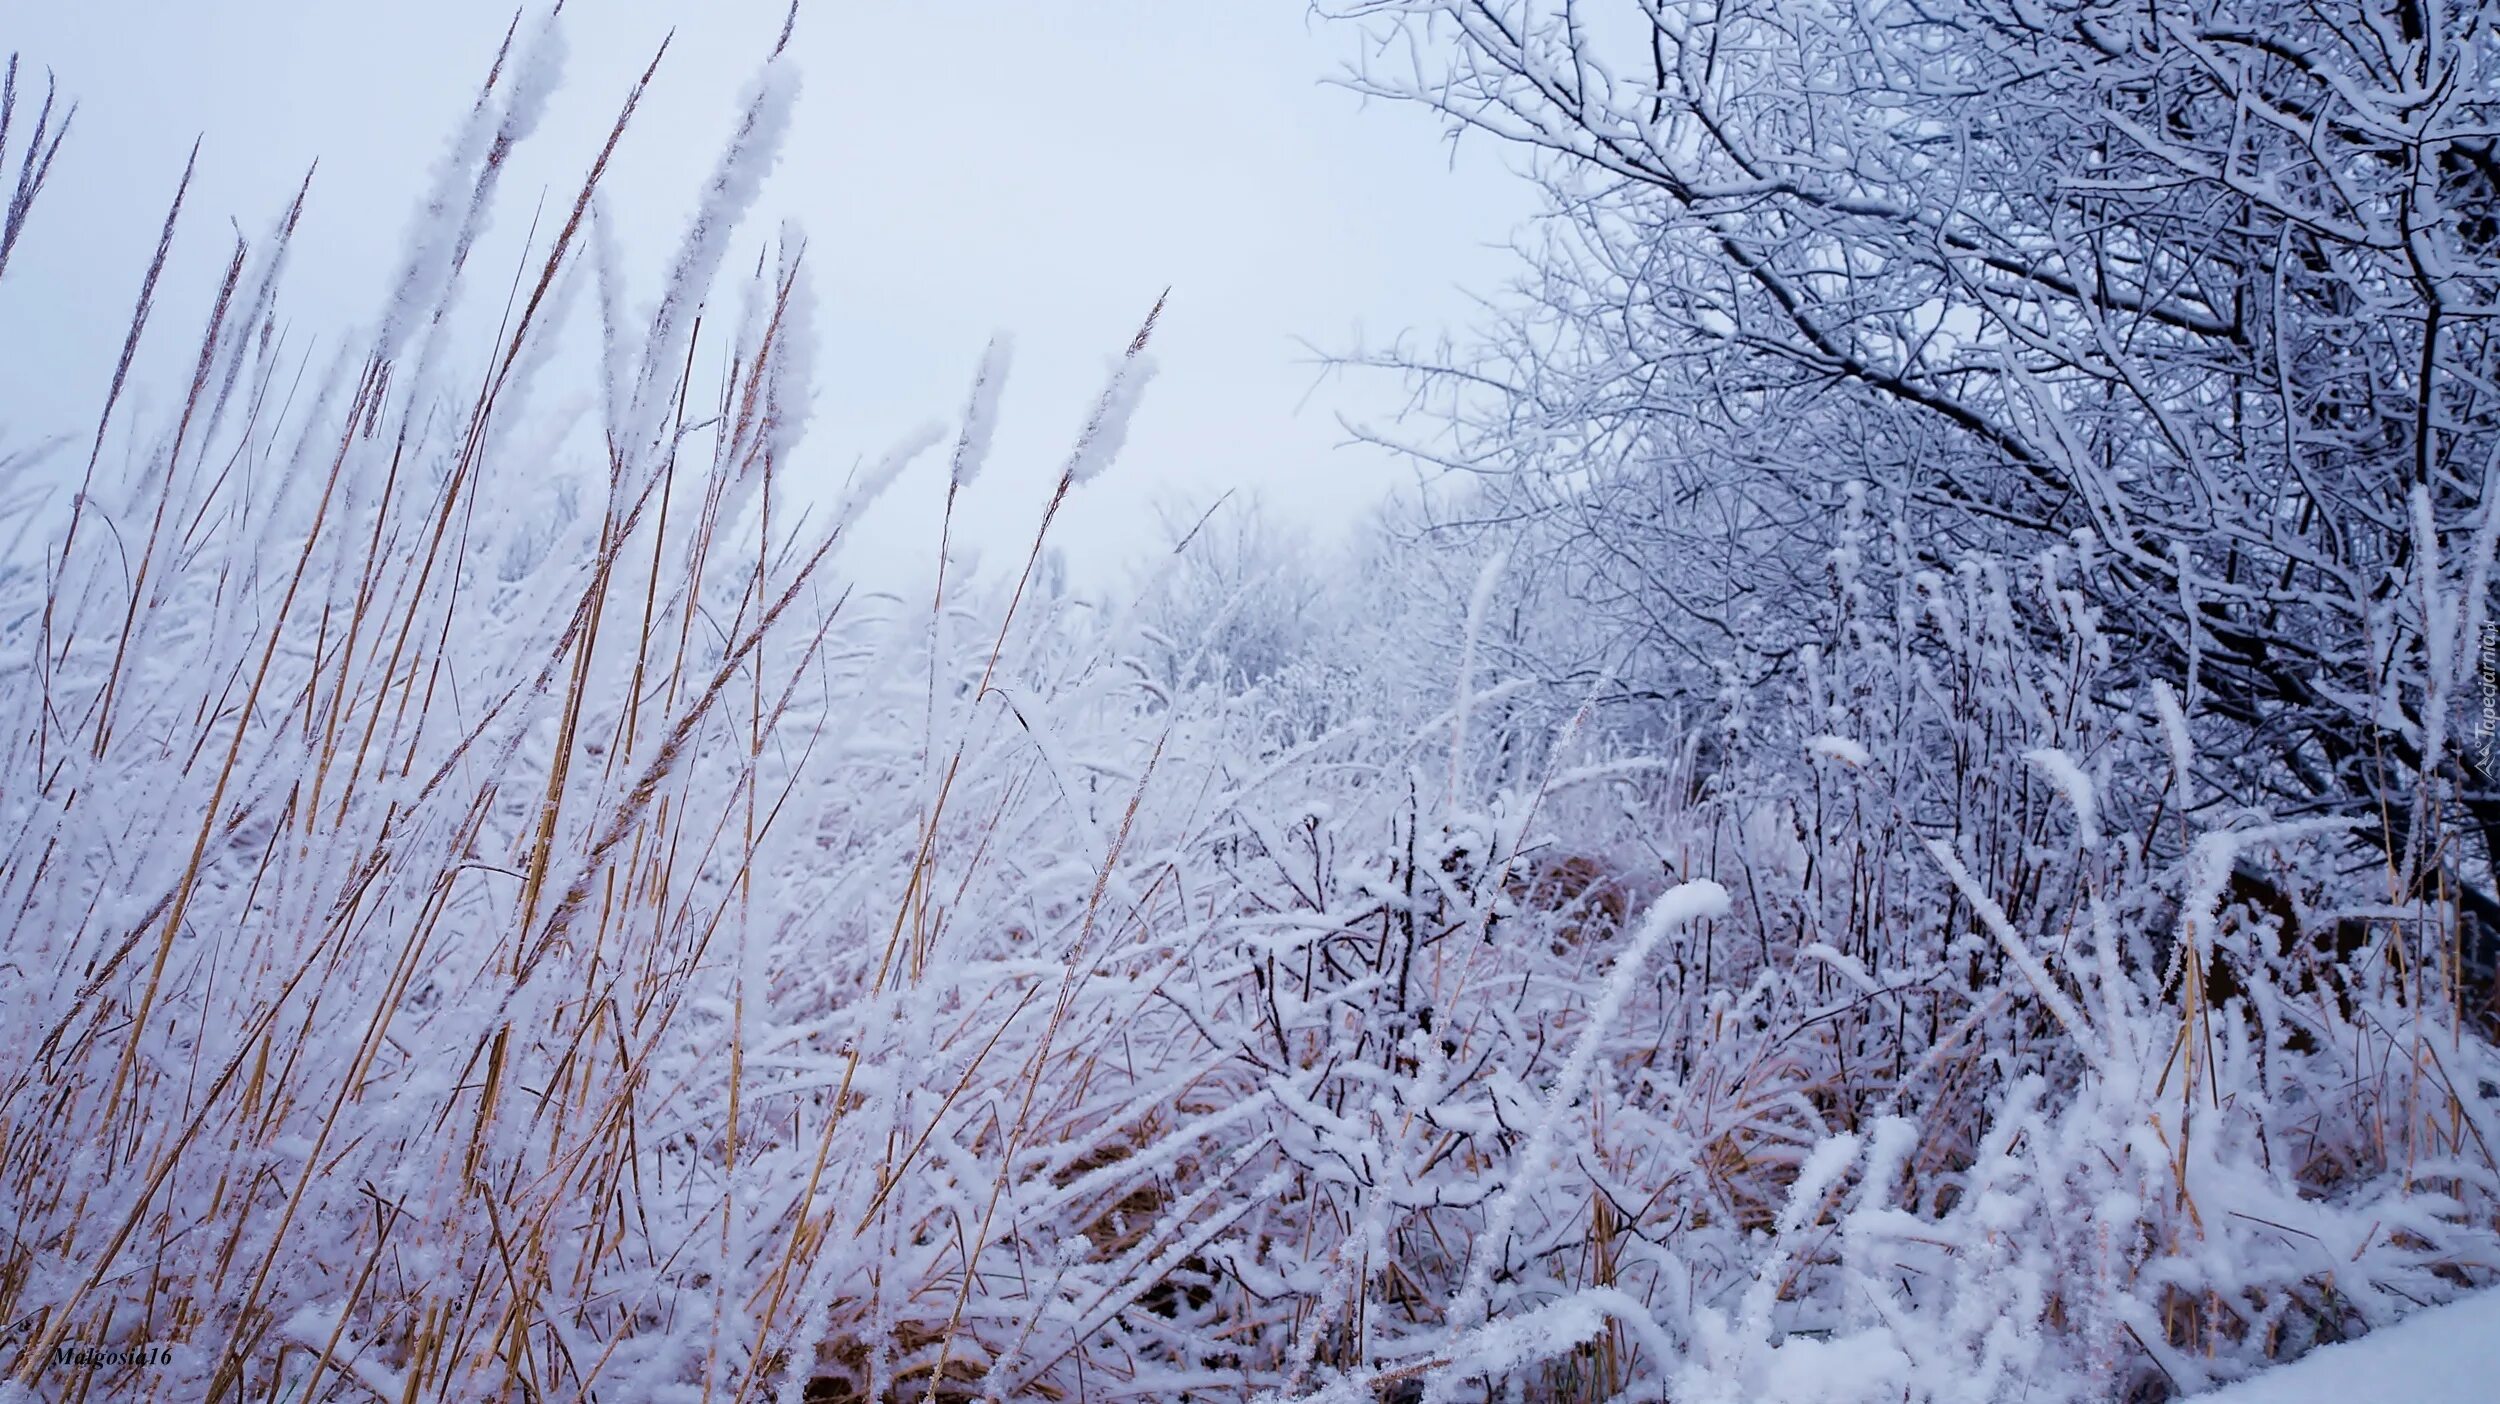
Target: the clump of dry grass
pixel 390 859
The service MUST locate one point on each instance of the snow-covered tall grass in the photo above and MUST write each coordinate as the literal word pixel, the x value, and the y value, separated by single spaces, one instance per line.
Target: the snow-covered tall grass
pixel 482 914
pixel 489 913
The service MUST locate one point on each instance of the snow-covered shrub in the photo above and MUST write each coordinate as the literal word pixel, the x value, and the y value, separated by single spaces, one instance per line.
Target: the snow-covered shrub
pixel 2091 1106
pixel 2008 1070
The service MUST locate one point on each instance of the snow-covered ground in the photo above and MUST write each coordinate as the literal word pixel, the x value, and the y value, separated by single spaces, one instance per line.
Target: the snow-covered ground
pixel 2447 1355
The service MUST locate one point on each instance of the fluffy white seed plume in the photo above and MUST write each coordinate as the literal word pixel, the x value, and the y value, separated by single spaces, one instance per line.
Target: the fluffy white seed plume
pixel 972 447
pixel 2069 778
pixel 1107 429
pixel 764 120
pixel 2182 751
pixel 447 225
pixel 427 260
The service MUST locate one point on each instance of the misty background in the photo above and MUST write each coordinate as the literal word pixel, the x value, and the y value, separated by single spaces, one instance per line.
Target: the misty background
pixel 959 169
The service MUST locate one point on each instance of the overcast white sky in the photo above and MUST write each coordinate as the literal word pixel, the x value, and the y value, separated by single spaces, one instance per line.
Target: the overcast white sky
pixel 961 166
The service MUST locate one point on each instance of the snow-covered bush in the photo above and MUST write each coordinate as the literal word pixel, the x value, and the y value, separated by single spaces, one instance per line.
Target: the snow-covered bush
pixel 2008 1070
